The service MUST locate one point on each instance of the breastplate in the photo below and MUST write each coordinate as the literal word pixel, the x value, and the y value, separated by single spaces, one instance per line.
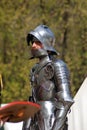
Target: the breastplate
pixel 42 82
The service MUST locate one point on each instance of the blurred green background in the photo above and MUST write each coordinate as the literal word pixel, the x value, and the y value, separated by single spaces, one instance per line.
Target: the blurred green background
pixel 66 18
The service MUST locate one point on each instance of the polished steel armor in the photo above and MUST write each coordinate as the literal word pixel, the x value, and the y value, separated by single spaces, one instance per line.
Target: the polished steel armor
pixel 51 89
pixel 45 36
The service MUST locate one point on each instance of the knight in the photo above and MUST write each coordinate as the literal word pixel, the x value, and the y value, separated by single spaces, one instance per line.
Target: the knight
pixel 50 83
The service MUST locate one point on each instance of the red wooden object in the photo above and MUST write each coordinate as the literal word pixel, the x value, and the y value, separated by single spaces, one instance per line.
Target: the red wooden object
pixel 18 111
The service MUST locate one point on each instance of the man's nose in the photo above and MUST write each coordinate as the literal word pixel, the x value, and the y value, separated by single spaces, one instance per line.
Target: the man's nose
pixel 34 44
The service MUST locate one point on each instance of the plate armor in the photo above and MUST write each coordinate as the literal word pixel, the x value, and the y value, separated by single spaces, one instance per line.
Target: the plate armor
pixel 50 88
pixel 50 84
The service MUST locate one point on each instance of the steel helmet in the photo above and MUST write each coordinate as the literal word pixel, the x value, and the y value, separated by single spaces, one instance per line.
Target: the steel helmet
pixel 45 36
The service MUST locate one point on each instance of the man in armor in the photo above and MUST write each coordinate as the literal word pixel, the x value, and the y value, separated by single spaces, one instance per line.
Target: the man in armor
pixel 49 81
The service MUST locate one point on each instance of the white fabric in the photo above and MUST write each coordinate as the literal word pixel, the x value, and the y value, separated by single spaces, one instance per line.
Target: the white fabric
pixel 13 126
pixel 77 119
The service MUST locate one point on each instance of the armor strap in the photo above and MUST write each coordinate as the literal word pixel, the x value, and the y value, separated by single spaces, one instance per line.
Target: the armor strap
pixel 40 66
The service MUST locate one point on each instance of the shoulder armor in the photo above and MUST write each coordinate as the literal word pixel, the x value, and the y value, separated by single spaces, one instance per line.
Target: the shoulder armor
pixel 59 63
pixel 62 75
pixel 61 68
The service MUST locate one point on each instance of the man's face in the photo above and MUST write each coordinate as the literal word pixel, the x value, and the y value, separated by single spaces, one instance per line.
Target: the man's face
pixel 36 45
pixel 36 48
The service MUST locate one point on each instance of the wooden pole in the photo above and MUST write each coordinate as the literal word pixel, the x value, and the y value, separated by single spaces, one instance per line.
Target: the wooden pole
pixel 1 87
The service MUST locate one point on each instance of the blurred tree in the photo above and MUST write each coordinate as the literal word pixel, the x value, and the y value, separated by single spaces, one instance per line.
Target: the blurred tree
pixel 67 19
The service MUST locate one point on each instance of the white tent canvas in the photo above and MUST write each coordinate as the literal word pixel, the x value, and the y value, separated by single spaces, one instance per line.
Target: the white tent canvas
pixel 77 119
pixel 13 126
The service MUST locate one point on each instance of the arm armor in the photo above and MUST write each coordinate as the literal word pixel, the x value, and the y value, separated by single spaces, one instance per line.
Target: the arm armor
pixel 63 95
pixel 62 82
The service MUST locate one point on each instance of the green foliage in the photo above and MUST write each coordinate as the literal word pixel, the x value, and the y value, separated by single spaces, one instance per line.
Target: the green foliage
pixel 67 19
